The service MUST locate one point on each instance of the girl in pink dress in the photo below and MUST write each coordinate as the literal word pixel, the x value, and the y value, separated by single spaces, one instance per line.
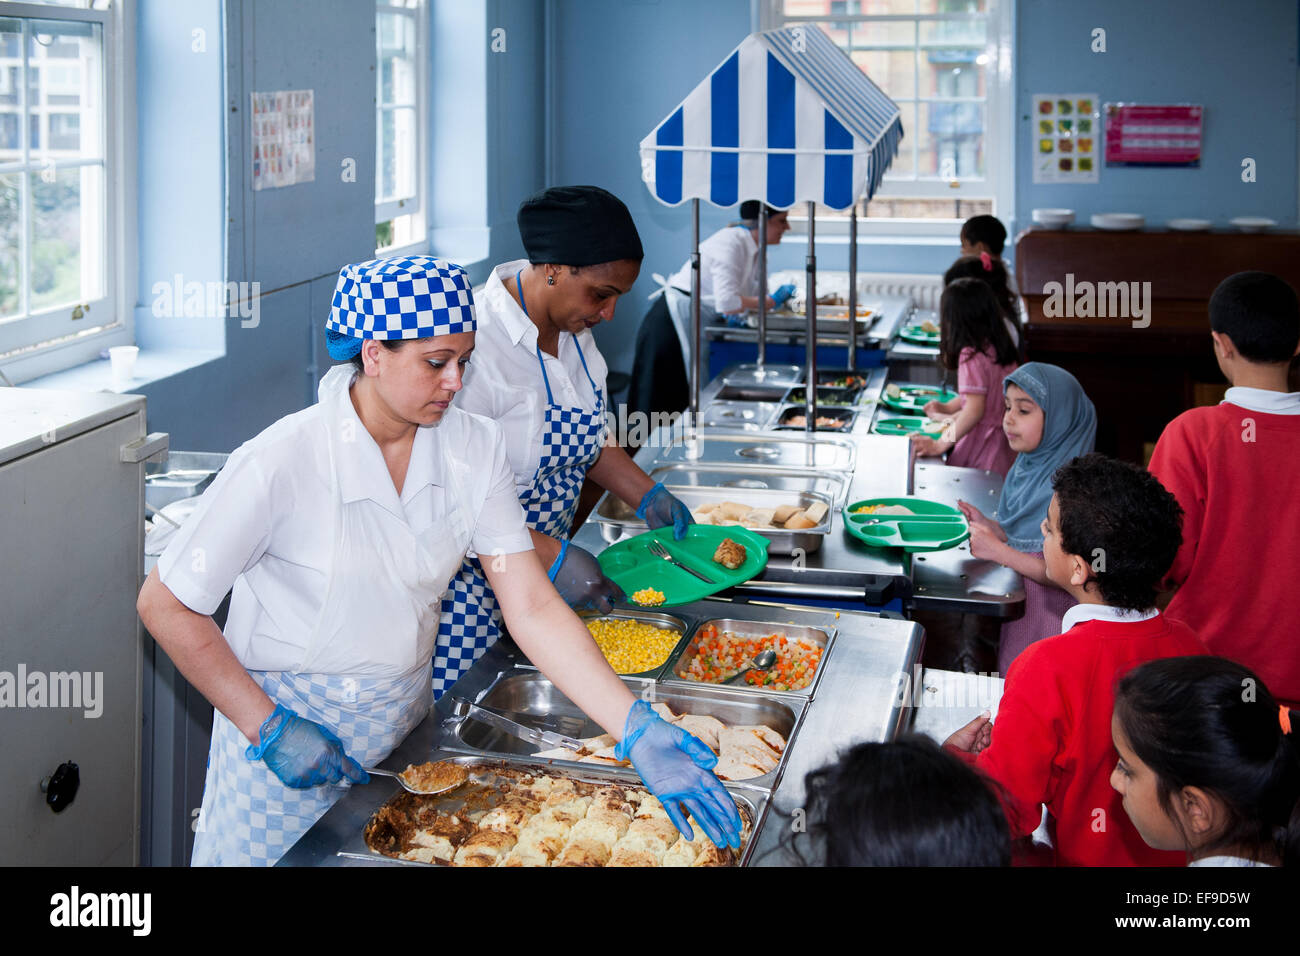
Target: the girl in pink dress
pixel 974 340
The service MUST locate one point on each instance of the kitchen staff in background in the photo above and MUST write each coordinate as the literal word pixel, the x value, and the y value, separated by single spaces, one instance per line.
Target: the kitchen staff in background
pixel 729 283
pixel 538 374
pixel 338 529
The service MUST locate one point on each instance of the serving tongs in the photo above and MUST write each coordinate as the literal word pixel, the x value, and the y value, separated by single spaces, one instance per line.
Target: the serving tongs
pixel 542 738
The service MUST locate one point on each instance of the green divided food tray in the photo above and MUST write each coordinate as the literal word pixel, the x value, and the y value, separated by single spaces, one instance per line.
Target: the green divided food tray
pixel 914 333
pixel 907 425
pixel 631 566
pixel 933 527
pixel 913 397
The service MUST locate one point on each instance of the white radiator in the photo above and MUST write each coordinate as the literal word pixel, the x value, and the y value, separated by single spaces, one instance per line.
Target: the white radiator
pixel 924 288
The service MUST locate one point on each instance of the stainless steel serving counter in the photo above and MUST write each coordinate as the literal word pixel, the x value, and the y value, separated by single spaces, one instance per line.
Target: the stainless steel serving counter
pixel 856 699
pixel 914 362
pixel 785 328
pixel 843 568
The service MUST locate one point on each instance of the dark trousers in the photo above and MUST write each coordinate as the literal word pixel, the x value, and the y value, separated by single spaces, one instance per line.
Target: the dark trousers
pixel 659 382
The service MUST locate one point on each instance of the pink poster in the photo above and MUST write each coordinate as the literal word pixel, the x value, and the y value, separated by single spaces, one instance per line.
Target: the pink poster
pixel 1152 135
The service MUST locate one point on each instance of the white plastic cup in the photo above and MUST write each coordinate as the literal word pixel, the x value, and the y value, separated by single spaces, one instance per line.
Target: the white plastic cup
pixel 123 359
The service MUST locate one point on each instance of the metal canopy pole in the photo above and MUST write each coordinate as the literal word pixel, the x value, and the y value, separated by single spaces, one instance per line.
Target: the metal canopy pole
pixel 762 289
pixel 695 311
pixel 853 287
pixel 810 308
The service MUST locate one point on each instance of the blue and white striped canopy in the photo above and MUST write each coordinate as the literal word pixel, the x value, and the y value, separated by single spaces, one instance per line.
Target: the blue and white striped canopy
pixel 786 118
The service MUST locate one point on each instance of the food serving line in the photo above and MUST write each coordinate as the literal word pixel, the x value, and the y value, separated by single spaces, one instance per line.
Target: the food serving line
pixel 854 695
pixel 743 452
pixel 866 678
pixel 756 440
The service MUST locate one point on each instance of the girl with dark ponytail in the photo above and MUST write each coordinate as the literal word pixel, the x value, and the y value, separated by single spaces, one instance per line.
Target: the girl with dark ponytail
pixel 1208 763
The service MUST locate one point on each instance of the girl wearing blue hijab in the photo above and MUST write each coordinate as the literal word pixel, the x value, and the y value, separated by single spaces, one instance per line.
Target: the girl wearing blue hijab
pixel 1048 422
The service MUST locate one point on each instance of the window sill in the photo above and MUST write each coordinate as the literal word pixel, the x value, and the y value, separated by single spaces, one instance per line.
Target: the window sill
pixel 151 366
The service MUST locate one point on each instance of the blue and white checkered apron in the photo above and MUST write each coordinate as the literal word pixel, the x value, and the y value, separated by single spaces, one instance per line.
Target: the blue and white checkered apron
pixel 250 818
pixel 572 438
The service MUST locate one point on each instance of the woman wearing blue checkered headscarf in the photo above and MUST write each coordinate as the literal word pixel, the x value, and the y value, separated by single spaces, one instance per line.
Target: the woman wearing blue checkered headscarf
pixel 338 529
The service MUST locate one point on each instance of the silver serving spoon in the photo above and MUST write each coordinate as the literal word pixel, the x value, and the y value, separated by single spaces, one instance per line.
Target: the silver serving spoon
pixel 375 771
pixel 761 661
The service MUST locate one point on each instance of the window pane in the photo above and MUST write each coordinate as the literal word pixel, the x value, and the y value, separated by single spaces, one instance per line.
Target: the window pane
pixel 396 59
pixel 894 71
pixel 11 299
pixel 901 207
pixel 65 84
pixel 954 6
pixel 67 236
pixel 954 33
pixel 400 231
pixel 822 8
pixel 952 73
pixel 397 154
pixel 890 33
pixel 951 139
pixel 903 164
pixel 10 138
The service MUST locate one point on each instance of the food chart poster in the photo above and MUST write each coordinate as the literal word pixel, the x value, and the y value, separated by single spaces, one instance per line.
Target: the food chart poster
pixel 1139 135
pixel 284 148
pixel 1066 138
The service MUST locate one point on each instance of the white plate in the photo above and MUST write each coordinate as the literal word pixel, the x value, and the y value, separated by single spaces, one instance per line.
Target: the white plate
pixel 1189 225
pixel 1252 223
pixel 1118 220
pixel 1053 218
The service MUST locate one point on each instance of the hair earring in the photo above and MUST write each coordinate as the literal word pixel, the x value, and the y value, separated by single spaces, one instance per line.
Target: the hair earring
pixel 550 280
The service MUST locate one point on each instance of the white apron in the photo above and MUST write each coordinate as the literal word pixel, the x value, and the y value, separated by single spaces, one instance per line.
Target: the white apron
pixel 249 818
pixel 679 310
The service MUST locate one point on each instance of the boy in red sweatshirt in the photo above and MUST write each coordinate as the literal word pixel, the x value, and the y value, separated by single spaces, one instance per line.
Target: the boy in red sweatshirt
pixel 1110 535
pixel 1235 469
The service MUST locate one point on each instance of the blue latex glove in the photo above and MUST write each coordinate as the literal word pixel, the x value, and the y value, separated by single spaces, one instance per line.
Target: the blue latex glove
pixel 576 574
pixel 676 768
pixel 659 509
pixel 302 753
pixel 736 321
pixel 783 293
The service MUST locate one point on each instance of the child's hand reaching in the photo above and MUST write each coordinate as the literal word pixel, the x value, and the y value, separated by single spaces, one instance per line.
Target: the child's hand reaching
pixel 986 545
pixel 977 518
pixel 974 737
pixel 933 410
pixel 927 447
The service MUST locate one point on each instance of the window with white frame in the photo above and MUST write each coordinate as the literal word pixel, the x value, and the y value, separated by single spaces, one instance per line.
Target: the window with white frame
pixel 947 64
pixel 59 195
pixel 401 80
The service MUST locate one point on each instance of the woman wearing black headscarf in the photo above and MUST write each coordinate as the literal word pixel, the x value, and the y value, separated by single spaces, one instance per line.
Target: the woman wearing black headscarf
pixel 537 372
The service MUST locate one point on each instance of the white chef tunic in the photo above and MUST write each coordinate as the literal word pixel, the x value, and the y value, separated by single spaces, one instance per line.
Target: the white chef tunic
pixel 504 380
pixel 728 270
pixel 265 526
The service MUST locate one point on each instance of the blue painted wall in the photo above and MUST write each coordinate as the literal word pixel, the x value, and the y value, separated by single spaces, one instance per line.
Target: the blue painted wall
pixel 1236 59
pixel 618 69
pixel 605 73
pixel 180 50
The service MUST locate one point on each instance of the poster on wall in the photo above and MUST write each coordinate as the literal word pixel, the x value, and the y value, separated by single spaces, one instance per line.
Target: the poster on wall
pixel 1146 135
pixel 284 142
pixel 1066 138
